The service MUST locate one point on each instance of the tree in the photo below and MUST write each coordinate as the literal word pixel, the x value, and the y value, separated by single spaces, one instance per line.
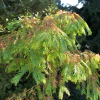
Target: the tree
pixel 47 51
pixel 93 20
pixel 11 9
pixel 91 14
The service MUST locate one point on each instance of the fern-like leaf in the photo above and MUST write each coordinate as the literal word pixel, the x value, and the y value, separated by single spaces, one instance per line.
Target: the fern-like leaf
pixel 20 74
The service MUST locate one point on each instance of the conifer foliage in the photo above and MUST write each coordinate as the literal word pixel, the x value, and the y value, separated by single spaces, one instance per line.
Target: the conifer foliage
pixel 47 50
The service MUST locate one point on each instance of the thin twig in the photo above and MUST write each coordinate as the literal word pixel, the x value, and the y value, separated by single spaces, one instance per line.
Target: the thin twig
pixel 24 93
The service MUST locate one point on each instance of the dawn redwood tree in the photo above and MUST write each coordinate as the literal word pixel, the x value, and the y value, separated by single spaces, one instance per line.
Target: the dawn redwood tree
pixel 47 50
pixel 91 14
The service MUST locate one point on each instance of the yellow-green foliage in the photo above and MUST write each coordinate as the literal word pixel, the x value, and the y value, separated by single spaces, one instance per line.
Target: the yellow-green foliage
pixel 45 48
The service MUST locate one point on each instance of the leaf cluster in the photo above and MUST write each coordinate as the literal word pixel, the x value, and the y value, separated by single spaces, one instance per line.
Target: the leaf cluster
pixel 47 50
